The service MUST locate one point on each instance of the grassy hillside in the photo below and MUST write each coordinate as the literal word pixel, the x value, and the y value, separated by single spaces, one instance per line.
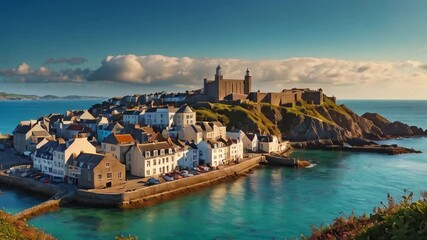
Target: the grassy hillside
pixel 18 230
pixel 244 116
pixel 267 118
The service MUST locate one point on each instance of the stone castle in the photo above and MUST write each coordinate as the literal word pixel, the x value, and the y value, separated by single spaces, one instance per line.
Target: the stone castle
pixel 221 89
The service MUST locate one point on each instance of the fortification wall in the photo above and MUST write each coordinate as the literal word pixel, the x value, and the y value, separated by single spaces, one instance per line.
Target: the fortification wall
pixel 151 195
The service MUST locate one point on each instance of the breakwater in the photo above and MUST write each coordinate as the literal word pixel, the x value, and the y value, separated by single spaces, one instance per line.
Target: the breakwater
pixel 147 196
pixel 49 205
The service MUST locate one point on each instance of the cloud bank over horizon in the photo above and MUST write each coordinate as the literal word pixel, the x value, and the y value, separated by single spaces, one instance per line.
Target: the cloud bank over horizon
pixel 268 75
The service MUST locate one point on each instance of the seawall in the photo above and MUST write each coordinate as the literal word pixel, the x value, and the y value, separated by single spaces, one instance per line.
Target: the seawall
pixel 28 184
pixel 147 196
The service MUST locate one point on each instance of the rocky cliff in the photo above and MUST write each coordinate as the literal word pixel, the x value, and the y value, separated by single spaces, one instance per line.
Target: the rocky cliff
pixel 306 122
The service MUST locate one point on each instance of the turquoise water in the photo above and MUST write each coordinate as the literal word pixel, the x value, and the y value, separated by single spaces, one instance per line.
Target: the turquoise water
pixel 271 203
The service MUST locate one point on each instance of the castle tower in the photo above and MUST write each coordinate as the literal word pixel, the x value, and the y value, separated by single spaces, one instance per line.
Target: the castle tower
pixel 218 74
pixel 248 82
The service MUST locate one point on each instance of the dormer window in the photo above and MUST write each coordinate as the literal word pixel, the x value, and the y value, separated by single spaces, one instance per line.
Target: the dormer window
pixel 170 150
pixel 155 153
pixel 162 152
pixel 147 154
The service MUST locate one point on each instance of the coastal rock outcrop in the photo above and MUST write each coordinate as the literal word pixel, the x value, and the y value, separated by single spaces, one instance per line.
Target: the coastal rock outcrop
pixel 308 122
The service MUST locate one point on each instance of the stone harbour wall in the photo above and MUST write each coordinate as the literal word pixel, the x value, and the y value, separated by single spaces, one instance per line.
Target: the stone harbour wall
pixel 147 196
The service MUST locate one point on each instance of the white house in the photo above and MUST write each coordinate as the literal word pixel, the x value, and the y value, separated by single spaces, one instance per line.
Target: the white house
pixel 43 156
pixel 63 153
pixel 159 117
pixel 134 117
pixel 268 143
pixel 51 158
pixel 184 117
pixel 150 159
pixel 250 140
pixel 214 152
pixel 236 149
pixel 187 156
pixel 203 131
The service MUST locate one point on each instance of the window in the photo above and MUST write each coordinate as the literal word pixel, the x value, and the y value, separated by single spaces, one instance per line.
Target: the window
pixel 147 173
pixel 155 153
pixel 89 177
pixel 162 151
pixel 154 171
pixel 119 175
pixel 99 176
pixel 148 163
pixel 107 164
pixel 147 154
pixel 113 148
pixel 109 175
pixel 154 162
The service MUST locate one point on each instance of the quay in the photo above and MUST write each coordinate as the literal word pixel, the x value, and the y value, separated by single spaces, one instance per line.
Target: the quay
pixel 140 196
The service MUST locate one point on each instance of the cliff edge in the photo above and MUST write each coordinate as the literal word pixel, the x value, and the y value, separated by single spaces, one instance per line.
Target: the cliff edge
pixel 329 122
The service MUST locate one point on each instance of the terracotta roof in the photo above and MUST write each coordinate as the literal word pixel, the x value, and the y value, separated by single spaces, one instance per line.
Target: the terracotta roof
pixel 119 139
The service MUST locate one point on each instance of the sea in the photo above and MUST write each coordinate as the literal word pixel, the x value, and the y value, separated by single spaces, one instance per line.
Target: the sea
pixel 271 203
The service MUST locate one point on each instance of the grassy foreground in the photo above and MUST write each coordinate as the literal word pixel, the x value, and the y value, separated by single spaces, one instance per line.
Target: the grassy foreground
pixel 404 220
pixel 19 229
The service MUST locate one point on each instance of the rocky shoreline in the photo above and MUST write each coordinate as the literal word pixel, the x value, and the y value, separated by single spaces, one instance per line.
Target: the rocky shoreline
pixel 371 147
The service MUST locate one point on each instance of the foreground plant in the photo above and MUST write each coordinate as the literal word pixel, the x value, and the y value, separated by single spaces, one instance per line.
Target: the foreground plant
pixel 404 220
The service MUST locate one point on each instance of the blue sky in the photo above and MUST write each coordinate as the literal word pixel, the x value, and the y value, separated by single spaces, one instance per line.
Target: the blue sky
pixel 357 32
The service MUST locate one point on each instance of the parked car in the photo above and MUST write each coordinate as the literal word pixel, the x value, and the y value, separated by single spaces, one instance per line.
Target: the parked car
pixel 27 173
pixel 34 175
pixel 184 173
pixel 152 181
pixel 167 177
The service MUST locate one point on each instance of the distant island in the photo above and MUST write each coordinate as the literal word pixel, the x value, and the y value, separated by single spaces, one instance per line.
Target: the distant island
pixel 14 96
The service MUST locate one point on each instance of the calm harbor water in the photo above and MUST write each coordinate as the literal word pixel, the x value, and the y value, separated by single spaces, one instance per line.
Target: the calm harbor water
pixel 271 203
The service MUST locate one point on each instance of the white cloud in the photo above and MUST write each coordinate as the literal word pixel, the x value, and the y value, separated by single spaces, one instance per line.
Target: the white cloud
pixel 23 73
pixel 23 68
pixel 342 77
pixel 158 69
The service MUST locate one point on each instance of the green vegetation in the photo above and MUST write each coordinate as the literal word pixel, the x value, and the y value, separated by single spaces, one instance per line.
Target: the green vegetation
pixel 244 116
pixel 270 119
pixel 405 220
pixel 18 229
pixel 130 237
